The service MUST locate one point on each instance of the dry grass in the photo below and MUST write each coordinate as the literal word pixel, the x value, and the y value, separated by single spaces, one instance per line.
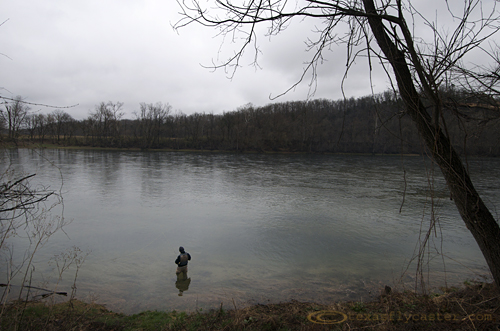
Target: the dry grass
pixel 474 307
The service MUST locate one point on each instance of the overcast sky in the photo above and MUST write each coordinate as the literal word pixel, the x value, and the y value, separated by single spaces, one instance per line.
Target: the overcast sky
pixel 61 53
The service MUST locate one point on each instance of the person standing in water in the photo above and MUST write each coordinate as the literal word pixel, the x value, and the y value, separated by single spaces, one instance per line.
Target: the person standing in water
pixel 183 281
pixel 182 261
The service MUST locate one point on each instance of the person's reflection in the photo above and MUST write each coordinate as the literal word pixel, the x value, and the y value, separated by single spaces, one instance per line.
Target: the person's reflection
pixel 182 282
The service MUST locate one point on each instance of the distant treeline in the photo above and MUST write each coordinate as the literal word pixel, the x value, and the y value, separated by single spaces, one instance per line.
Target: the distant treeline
pixel 372 124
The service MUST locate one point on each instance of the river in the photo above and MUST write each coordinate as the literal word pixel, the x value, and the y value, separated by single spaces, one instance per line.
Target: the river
pixel 259 227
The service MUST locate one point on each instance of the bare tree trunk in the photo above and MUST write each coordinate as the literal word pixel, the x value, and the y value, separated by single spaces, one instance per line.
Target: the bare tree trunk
pixel 475 214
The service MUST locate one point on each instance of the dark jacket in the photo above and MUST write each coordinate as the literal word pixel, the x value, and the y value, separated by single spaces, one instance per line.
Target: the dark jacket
pixel 182 259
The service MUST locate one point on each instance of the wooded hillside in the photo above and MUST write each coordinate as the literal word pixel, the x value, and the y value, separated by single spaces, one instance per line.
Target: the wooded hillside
pixel 372 124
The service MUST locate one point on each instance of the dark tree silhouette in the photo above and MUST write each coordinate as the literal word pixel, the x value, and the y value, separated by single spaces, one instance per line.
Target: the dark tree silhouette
pixel 14 116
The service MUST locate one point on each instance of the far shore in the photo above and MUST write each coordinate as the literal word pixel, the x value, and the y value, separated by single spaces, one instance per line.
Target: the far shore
pixel 215 151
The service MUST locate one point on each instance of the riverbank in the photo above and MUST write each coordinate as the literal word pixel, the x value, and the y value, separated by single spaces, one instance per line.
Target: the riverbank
pixel 32 145
pixel 472 307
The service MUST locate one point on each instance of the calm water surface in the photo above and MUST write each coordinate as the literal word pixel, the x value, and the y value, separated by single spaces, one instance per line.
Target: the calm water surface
pixel 260 228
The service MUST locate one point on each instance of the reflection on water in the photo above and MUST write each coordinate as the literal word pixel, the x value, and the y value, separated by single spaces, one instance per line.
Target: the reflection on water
pixel 262 227
pixel 182 283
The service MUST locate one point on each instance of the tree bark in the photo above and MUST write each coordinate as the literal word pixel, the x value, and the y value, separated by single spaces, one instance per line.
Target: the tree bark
pixel 472 209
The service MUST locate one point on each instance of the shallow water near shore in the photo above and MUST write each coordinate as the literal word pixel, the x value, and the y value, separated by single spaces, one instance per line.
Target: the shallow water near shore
pixel 260 228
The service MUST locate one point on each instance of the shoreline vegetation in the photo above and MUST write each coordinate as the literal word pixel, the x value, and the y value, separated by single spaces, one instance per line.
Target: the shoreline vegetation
pixel 474 306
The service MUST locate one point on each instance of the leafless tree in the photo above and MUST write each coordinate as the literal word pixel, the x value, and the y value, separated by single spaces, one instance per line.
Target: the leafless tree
pixel 420 64
pixel 25 212
pixel 14 116
pixel 41 126
pixel 105 122
pixel 60 124
pixel 151 120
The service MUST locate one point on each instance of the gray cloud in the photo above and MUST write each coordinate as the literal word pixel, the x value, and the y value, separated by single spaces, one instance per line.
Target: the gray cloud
pixel 85 52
